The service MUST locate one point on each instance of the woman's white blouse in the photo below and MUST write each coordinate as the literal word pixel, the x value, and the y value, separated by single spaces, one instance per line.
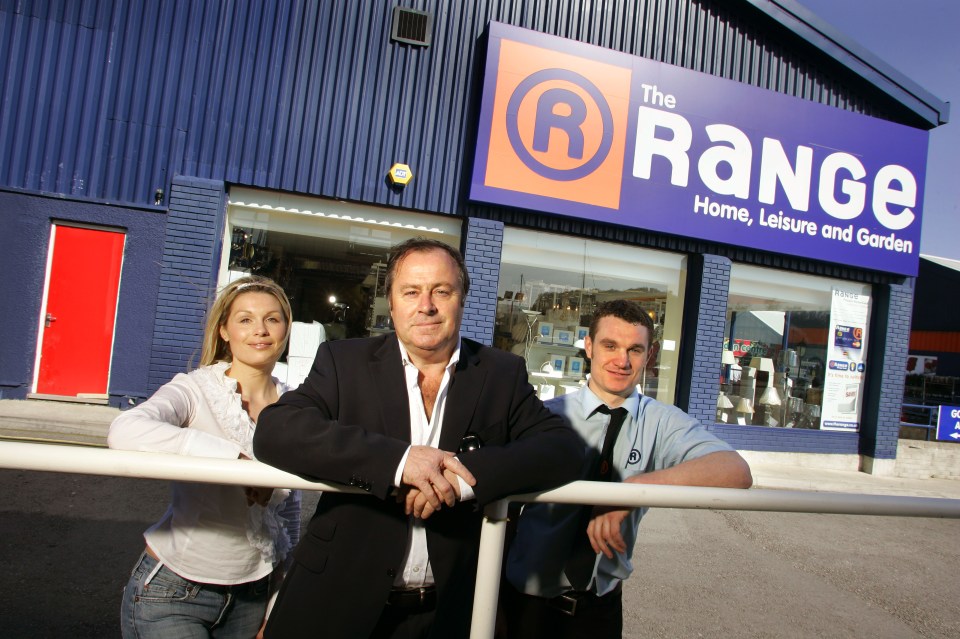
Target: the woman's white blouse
pixel 208 533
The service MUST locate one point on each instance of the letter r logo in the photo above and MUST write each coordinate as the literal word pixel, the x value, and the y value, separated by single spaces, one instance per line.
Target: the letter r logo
pixel 559 125
pixel 548 118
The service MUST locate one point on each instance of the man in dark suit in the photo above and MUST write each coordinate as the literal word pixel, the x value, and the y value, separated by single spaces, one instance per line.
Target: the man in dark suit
pixel 433 427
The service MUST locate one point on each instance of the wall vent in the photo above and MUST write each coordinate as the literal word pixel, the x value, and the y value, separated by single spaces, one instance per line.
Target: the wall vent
pixel 411 26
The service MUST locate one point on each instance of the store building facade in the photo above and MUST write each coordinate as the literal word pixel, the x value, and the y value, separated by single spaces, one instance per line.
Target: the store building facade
pixel 932 390
pixel 740 170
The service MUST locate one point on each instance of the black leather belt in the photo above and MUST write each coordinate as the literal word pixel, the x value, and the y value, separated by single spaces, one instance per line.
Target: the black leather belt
pixel 413 599
pixel 224 589
pixel 570 601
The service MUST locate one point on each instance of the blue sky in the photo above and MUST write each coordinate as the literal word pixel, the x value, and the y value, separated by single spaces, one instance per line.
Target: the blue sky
pixel 921 39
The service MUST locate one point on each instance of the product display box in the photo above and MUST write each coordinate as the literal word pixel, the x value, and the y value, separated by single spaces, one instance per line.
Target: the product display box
pixel 545 332
pixel 563 337
pixel 575 366
pixel 559 362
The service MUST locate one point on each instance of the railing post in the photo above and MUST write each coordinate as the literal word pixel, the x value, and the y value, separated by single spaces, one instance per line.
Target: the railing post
pixel 493 532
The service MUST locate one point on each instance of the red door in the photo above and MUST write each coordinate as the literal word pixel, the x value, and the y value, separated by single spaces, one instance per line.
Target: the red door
pixel 83 278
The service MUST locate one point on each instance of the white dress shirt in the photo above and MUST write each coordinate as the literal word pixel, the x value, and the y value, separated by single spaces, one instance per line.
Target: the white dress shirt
pixel 416 571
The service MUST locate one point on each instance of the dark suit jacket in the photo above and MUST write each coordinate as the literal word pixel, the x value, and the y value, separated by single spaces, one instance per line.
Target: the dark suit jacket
pixel 349 423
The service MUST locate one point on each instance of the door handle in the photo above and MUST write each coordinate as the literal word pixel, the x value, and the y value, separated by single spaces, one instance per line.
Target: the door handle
pixel 50 319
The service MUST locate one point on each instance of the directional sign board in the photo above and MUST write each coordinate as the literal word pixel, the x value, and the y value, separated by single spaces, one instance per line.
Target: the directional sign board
pixel 948 424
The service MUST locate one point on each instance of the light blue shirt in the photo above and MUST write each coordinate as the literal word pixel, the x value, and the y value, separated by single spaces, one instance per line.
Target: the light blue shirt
pixel 654 436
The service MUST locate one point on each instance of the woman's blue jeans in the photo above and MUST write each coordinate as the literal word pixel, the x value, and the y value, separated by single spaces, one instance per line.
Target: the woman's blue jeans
pixel 171 606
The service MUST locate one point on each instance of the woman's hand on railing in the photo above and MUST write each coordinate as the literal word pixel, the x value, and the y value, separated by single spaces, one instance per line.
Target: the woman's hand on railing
pixel 259 495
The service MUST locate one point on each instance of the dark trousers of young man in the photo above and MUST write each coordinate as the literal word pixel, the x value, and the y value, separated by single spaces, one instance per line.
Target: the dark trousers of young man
pixel 575 615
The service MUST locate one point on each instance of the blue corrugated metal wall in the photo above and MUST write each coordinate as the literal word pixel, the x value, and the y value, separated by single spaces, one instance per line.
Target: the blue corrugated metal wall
pixel 109 99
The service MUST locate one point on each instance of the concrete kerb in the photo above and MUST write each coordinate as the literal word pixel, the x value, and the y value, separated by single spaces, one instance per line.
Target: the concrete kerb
pixel 56 421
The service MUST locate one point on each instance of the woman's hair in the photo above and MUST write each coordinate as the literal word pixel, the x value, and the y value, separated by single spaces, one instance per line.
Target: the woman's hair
pixel 215 348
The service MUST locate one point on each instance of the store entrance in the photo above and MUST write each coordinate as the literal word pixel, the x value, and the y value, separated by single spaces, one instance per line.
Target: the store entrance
pixel 336 283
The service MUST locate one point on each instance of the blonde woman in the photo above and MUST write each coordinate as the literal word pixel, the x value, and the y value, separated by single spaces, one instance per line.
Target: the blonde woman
pixel 207 566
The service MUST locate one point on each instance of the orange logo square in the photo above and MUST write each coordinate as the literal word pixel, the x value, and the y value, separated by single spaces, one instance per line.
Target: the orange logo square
pixel 559 125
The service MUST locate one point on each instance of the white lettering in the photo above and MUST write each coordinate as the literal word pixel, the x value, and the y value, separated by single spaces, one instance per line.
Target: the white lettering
pixel 786 223
pixel 795 181
pixel 725 168
pixel 737 156
pixel 855 190
pixel 724 211
pixel 837 233
pixel 674 150
pixel 652 94
pixel 883 195
pixel 888 242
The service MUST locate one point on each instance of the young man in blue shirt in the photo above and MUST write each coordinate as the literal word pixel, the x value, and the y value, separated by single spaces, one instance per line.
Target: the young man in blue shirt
pixel 567 563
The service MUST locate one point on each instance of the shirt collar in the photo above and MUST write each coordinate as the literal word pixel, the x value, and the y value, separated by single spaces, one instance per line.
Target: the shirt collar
pixel 589 403
pixel 454 358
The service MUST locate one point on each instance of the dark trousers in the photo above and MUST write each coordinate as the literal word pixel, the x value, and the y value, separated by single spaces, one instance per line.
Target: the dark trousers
pixel 397 624
pixel 529 617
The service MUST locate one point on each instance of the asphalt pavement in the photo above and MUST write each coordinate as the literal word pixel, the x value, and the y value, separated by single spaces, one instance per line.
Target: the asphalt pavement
pixel 69 542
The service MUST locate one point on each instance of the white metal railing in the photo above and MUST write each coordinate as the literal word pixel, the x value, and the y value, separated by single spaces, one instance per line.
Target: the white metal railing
pixel 98 461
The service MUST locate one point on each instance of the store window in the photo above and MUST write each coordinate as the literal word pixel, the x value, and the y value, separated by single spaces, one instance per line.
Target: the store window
pixel 549 287
pixel 794 352
pixel 329 256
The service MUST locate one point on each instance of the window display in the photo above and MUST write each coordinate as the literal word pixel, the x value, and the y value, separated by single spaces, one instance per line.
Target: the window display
pixel 549 286
pixel 794 351
pixel 329 256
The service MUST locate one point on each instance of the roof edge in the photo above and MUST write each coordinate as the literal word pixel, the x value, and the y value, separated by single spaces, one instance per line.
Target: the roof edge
pixel 809 26
pixel 942 261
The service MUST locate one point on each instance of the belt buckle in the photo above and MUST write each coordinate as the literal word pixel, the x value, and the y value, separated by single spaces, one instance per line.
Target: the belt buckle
pixel 412 598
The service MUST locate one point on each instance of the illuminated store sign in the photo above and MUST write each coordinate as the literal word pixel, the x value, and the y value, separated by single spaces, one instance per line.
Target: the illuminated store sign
pixel 577 130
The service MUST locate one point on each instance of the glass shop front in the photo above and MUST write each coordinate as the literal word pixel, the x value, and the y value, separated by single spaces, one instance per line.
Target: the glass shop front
pixel 329 256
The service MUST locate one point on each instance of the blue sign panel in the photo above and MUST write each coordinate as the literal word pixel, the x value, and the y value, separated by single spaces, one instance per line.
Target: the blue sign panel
pixel 948 424
pixel 577 130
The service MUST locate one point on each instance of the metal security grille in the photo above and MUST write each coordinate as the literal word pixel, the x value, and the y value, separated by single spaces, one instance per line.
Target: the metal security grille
pixel 411 26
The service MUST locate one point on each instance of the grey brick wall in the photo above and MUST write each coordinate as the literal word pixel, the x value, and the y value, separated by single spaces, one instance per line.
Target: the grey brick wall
pixel 880 422
pixel 788 440
pixel 705 309
pixel 481 251
pixel 191 251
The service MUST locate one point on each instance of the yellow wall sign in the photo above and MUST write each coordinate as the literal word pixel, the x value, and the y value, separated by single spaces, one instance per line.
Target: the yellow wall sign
pixel 400 174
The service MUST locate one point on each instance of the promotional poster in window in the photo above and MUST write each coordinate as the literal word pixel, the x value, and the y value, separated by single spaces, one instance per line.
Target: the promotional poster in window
pixel 846 360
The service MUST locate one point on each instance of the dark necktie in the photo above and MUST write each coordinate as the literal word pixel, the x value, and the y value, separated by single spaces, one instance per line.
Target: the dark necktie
pixel 580 564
